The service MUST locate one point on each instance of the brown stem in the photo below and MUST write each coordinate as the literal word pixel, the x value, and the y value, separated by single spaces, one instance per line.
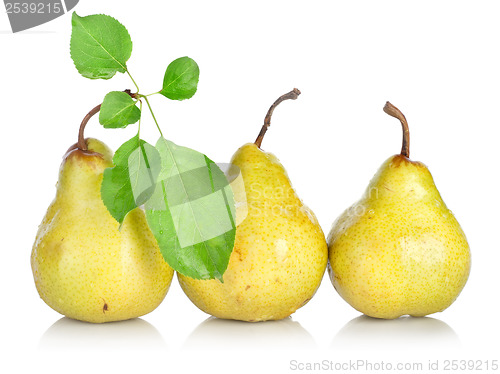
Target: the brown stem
pixel 82 145
pixel 132 95
pixel 292 95
pixel 396 113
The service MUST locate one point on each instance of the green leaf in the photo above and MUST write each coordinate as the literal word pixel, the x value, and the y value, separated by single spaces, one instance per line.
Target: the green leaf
pixel 144 166
pixel 118 110
pixel 181 79
pixel 100 46
pixel 131 182
pixel 192 213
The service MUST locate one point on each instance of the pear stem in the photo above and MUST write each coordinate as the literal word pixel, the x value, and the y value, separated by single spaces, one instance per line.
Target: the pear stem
pixel 292 95
pixel 82 145
pixel 396 113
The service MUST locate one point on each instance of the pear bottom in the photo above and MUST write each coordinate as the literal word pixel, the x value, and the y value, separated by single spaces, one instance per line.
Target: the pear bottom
pixel 384 273
pixel 383 304
pixel 227 301
pixel 99 284
pixel 268 277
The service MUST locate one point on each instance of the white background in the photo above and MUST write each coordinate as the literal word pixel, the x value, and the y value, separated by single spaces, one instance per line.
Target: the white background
pixel 438 61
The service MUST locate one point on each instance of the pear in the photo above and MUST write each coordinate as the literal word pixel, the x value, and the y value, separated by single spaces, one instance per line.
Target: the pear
pixel 399 250
pixel 280 251
pixel 84 265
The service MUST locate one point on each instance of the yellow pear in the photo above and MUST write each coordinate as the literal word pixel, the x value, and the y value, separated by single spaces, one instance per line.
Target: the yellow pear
pixel 85 266
pixel 280 251
pixel 399 250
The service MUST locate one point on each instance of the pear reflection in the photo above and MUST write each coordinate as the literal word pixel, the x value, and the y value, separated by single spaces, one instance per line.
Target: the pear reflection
pixel 402 333
pixel 133 334
pixel 215 333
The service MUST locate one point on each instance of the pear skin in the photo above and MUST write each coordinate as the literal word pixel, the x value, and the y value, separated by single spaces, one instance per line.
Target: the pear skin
pixel 399 250
pixel 280 253
pixel 84 265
